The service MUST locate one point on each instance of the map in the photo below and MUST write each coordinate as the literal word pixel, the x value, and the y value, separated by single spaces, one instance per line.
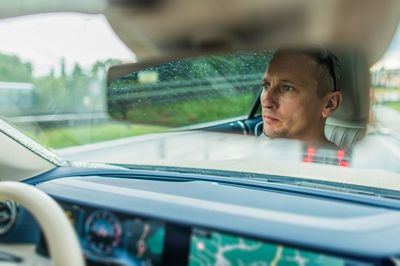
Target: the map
pixel 212 248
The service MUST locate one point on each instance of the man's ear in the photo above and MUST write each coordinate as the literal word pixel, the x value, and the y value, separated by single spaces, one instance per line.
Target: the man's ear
pixel 333 100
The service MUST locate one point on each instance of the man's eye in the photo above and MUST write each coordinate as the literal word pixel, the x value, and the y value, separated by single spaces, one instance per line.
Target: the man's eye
pixel 287 88
pixel 266 86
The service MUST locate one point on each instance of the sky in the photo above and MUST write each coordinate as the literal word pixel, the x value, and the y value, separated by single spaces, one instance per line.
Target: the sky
pixel 78 38
pixel 83 39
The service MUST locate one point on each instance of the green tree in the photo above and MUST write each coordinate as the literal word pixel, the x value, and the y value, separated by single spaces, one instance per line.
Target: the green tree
pixel 62 66
pixel 50 95
pixel 77 86
pixel 13 69
pixel 77 71
pixel 99 69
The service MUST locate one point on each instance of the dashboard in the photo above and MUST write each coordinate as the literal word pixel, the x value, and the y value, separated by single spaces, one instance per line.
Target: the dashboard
pixel 165 221
pixel 115 238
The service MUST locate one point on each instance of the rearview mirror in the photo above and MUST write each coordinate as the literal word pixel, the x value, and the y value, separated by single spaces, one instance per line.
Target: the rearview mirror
pixel 186 92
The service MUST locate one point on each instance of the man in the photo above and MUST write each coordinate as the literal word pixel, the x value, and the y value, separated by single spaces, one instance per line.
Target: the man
pixel 300 90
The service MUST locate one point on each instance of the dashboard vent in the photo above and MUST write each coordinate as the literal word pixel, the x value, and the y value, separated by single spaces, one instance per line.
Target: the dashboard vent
pixel 8 215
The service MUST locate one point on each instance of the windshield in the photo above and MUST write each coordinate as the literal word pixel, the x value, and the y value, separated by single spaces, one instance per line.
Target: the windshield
pixel 202 112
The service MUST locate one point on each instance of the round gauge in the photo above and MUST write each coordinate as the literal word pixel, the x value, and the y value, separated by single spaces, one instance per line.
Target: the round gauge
pixel 103 232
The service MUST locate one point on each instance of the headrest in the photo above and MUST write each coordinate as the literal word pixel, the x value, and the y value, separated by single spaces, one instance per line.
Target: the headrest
pixel 349 123
pixel 355 85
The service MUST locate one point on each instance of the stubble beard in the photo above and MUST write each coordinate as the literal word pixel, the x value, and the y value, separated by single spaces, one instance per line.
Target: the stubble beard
pixel 275 134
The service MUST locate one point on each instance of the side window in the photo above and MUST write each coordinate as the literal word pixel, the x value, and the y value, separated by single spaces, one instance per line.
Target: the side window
pixel 385 91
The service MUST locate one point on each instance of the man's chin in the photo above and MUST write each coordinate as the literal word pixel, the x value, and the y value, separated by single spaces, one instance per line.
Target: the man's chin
pixel 274 134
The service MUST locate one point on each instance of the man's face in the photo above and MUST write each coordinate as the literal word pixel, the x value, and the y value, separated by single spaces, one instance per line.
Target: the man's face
pixel 290 105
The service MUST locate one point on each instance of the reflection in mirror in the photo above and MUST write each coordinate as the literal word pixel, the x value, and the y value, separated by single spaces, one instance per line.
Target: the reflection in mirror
pixel 190 91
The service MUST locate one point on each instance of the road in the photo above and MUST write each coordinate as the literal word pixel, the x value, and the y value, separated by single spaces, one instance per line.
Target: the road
pixel 387 117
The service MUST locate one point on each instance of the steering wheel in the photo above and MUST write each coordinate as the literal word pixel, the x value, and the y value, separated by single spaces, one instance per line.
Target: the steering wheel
pixel 60 236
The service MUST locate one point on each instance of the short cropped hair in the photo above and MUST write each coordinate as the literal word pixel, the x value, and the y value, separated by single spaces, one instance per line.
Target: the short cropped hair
pixel 328 72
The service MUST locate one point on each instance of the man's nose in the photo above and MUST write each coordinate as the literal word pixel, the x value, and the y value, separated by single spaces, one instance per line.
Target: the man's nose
pixel 269 98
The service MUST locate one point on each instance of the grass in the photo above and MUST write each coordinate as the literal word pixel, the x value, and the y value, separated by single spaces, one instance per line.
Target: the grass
pixel 62 137
pixel 394 105
pixel 378 91
pixel 182 113
pixel 179 113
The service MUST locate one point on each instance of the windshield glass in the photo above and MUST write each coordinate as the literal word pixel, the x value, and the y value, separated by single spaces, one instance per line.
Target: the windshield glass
pixel 206 112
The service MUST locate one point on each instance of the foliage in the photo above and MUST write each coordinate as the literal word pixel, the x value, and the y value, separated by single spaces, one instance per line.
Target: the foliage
pixel 191 112
pixel 209 67
pixel 61 137
pixel 394 105
pixel 191 91
pixel 13 69
pixel 75 92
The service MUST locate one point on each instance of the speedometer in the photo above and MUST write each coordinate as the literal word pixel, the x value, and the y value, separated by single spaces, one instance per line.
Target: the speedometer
pixel 103 232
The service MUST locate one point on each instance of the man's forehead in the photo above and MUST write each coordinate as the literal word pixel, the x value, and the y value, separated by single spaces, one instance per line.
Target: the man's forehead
pixel 294 66
pixel 293 56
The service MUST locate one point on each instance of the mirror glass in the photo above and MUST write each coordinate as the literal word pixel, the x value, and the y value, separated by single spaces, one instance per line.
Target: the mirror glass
pixel 190 91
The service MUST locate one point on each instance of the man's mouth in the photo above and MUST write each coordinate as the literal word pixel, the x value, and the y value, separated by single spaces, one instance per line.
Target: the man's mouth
pixel 270 119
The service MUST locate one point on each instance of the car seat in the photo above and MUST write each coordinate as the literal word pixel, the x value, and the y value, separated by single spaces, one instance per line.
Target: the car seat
pixel 349 123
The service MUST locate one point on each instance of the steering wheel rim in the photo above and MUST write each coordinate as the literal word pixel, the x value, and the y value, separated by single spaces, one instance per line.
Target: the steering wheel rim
pixel 62 241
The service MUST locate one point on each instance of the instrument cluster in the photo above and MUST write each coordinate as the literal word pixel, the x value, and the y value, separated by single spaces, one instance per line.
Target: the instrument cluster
pixel 113 238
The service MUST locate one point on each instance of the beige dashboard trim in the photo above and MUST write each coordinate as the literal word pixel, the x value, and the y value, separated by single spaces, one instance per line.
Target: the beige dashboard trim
pixel 27 252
